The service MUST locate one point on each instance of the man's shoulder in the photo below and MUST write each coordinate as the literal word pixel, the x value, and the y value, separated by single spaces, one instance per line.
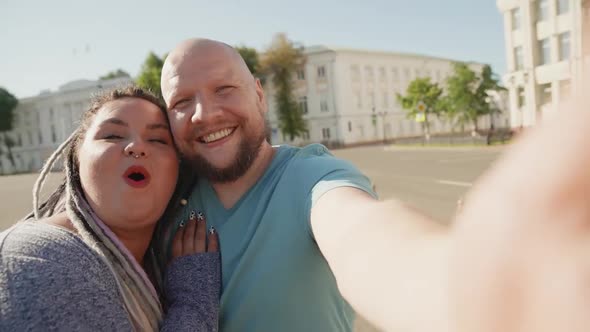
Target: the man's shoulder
pixel 307 152
pixel 316 159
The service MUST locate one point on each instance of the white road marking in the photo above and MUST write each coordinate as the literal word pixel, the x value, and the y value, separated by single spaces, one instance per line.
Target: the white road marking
pixel 455 183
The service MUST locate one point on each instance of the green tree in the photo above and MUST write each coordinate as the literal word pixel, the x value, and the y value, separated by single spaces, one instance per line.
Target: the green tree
pixel 250 56
pixel 461 99
pixel 489 85
pixel 422 93
pixel 150 73
pixel 468 93
pixel 280 62
pixel 8 103
pixel 115 74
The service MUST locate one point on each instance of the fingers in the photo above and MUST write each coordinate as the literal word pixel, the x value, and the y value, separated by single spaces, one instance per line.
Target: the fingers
pixel 192 237
pixel 199 241
pixel 213 241
pixel 177 242
pixel 188 243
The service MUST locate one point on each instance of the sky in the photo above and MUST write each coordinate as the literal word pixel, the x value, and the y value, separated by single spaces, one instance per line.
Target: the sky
pixel 47 43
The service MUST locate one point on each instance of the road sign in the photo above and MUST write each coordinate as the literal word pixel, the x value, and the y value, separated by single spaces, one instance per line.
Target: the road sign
pixel 421 107
pixel 420 117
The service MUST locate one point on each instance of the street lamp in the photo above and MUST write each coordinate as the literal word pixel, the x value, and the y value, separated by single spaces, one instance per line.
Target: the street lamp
pixel 382 114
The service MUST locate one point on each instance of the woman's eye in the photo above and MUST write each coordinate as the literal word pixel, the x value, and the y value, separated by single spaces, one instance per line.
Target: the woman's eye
pixel 112 136
pixel 159 140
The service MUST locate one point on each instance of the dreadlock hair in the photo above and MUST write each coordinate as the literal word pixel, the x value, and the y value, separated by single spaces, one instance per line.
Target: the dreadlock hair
pixel 141 300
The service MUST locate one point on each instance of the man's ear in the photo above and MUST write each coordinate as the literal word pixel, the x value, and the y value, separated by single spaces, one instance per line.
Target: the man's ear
pixel 261 98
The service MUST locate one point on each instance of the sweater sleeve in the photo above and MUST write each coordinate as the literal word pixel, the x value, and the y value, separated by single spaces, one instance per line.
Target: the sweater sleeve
pixel 49 286
pixel 192 289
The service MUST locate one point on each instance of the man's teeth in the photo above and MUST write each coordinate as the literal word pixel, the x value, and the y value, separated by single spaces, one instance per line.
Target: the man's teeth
pixel 216 135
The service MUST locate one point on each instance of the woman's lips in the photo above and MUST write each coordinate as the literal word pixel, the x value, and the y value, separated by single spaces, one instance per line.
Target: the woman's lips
pixel 137 176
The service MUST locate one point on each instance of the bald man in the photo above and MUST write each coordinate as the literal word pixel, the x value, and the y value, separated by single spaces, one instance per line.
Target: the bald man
pixel 303 236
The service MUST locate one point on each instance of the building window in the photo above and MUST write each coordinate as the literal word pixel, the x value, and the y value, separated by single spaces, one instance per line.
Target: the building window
pixel 305 135
pixel 564 89
pixel 323 105
pixel 30 137
pixel 416 73
pixel 301 74
pixel 394 74
pixel 545 93
pixel 326 133
pixel 355 73
pixel 515 15
pixel 407 74
pixel 27 118
pixel 20 139
pixel 384 101
pixel 51 114
pixel 357 100
pixel 542 10
pixel 372 99
pixel 544 51
pixel 564 46
pixel 518 58
pixel 563 7
pixel 39 137
pixel 349 126
pixel 53 134
pixel 427 73
pixel 382 75
pixel 369 76
pixel 321 72
pixel 303 104
pixel 521 97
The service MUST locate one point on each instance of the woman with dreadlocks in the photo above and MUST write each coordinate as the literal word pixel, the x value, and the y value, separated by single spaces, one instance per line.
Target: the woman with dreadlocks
pixel 80 261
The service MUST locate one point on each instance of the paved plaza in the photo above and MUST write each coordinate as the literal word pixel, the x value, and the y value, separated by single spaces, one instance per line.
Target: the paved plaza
pixel 430 179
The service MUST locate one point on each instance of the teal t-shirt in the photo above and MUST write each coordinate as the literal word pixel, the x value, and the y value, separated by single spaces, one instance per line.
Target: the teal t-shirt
pixel 274 275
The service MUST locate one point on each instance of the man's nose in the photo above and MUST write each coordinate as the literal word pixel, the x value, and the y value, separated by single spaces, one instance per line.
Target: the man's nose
pixel 203 110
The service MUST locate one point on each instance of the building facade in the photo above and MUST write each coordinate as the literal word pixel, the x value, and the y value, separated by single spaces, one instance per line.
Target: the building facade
pixel 348 96
pixel 546 53
pixel 44 121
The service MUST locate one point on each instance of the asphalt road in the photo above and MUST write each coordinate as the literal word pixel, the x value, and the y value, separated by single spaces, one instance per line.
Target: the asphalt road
pixel 429 179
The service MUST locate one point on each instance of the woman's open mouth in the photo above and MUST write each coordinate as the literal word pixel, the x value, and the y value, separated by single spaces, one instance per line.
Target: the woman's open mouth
pixel 137 176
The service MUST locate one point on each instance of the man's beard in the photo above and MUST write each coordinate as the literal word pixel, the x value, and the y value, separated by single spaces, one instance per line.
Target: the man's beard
pixel 247 152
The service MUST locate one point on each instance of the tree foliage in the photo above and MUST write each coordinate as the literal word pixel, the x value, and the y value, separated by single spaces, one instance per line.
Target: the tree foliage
pixel 422 91
pixel 150 74
pixel 8 103
pixel 251 57
pixel 115 74
pixel 280 63
pixel 468 94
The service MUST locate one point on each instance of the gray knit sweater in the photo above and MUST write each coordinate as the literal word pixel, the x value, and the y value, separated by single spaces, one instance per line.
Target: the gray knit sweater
pixel 50 280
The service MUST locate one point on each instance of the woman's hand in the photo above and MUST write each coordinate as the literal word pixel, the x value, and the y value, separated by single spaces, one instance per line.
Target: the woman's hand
pixel 192 237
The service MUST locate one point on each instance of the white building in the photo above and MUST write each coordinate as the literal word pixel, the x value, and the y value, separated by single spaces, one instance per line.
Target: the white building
pixel 349 96
pixel 545 54
pixel 44 121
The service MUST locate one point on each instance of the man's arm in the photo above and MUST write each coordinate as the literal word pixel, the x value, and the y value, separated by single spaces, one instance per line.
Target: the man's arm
pixel 390 262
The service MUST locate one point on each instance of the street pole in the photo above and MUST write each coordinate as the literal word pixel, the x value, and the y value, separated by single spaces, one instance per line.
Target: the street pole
pixel 383 114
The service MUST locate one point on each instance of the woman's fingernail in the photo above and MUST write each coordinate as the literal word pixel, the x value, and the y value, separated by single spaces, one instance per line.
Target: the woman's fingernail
pixel 212 230
pixel 181 224
pixel 200 216
pixel 192 215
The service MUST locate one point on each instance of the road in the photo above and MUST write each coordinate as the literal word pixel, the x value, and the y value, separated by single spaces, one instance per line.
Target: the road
pixel 429 179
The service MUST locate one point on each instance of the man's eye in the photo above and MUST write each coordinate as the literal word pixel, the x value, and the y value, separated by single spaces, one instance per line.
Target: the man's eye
pixel 182 103
pixel 112 136
pixel 224 89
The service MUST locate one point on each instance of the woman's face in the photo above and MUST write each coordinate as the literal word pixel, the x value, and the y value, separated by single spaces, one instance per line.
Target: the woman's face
pixel 128 164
